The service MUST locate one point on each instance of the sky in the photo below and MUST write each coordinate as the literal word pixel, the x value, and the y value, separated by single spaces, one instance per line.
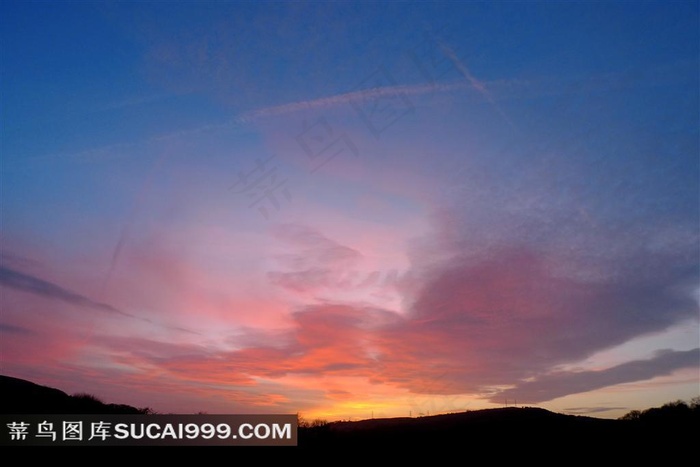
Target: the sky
pixel 352 209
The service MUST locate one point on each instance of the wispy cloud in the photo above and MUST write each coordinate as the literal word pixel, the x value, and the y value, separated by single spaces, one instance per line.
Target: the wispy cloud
pixel 589 410
pixel 40 287
pixel 17 260
pixel 506 89
pixel 11 329
pixel 475 325
pixel 320 261
pixel 563 383
pixel 46 289
pixel 127 228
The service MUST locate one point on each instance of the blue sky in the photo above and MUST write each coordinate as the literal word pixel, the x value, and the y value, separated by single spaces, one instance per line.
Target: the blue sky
pixel 352 207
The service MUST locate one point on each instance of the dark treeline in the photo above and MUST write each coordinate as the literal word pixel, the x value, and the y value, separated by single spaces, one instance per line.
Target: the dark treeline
pixel 672 412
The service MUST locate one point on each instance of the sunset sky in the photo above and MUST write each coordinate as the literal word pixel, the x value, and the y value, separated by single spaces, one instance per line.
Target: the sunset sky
pixel 352 209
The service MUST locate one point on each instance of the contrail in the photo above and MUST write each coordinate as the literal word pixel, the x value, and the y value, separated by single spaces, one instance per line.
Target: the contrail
pixel 346 98
pixel 371 93
pixel 126 230
pixel 475 83
pixel 283 109
pixel 298 106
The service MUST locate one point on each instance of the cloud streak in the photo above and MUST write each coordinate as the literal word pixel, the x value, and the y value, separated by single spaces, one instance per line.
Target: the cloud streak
pixel 42 288
pixel 478 324
pixel 34 285
pixel 474 327
pixel 589 410
pixel 18 330
pixel 319 261
pixel 348 98
pixel 561 384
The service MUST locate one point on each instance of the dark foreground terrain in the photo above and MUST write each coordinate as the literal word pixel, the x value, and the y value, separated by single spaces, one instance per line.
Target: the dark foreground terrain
pixel 502 430
pixel 668 431
pixel 24 397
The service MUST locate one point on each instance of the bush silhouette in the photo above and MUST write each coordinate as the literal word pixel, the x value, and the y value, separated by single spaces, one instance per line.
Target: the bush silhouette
pixel 672 412
pixel 20 396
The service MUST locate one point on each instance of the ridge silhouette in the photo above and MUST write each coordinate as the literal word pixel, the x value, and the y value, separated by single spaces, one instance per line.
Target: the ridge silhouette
pixel 19 396
pixel 656 429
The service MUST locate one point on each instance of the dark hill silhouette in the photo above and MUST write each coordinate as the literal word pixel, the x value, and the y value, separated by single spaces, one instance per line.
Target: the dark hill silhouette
pixel 655 431
pixel 507 426
pixel 24 397
pixel 502 432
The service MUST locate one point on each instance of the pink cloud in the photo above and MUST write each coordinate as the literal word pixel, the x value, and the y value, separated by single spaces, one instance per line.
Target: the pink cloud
pixel 477 323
